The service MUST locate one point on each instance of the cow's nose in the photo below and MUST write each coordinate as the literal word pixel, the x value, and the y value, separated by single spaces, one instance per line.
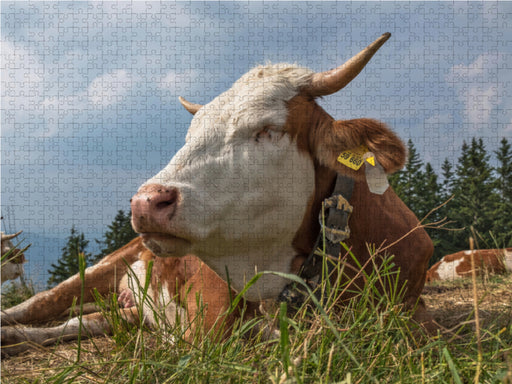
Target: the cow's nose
pixel 153 207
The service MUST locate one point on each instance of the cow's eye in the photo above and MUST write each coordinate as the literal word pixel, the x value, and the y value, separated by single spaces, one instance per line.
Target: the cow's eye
pixel 268 133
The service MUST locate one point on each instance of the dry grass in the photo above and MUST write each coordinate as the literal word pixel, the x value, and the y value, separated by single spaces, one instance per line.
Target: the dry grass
pixel 44 362
pixel 451 303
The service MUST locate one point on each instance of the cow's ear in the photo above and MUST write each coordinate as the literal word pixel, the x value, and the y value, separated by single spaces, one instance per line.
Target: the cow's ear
pixel 342 145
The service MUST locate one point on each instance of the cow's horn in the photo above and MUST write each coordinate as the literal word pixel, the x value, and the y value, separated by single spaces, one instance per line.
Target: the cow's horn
pixel 9 237
pixel 326 83
pixel 191 107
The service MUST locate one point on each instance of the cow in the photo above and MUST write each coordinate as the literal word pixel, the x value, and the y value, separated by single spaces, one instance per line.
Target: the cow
pixel 244 195
pixel 12 258
pixel 245 191
pixel 174 285
pixel 458 265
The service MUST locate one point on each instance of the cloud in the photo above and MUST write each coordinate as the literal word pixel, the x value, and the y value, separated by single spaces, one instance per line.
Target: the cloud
pixel 22 84
pixel 508 128
pixel 34 92
pixel 62 112
pixel 478 88
pixel 484 67
pixel 20 64
pixel 479 102
pixel 178 83
pixel 105 90
pixel 439 119
pixel 110 88
pixel 170 14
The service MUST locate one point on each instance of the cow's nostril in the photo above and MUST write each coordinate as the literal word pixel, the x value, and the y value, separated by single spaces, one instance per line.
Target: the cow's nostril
pixel 164 199
pixel 164 204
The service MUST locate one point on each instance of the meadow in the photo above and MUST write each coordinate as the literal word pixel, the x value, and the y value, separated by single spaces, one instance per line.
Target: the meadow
pixel 370 340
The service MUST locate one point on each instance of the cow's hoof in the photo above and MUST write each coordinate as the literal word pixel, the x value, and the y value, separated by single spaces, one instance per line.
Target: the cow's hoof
pixel 6 319
pixel 16 349
pixel 13 342
pixel 125 299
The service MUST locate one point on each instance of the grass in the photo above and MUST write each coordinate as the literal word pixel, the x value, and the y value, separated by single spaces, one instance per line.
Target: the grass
pixel 327 344
pixel 14 293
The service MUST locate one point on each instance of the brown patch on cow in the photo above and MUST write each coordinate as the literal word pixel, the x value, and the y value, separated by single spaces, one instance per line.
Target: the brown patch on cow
pixel 350 134
pixel 206 298
pixel 172 273
pixel 383 220
pixel 370 225
pixel 147 255
pixel 204 295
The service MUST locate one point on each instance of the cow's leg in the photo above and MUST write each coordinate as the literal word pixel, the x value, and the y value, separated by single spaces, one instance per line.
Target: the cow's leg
pixel 104 277
pixel 16 339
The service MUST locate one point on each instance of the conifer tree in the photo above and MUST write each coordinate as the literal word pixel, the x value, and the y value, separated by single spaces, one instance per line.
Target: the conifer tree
pixel 429 200
pixel 444 237
pixel 119 233
pixel 446 190
pixel 502 228
pixel 397 182
pixel 428 194
pixel 473 189
pixel 407 182
pixel 67 264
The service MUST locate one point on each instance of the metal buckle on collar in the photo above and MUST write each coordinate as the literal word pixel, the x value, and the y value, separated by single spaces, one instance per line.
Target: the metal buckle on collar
pixel 337 211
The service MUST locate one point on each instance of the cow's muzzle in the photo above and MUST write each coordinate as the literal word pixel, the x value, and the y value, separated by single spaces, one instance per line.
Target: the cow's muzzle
pixel 153 208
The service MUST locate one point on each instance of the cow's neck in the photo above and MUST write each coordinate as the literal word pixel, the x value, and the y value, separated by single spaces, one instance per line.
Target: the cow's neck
pixel 241 266
pixel 305 238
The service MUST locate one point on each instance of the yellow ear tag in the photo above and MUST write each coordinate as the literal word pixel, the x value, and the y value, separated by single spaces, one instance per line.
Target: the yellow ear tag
pixel 353 158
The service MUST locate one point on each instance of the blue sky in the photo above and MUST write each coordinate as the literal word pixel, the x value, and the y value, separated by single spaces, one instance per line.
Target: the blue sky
pixel 89 90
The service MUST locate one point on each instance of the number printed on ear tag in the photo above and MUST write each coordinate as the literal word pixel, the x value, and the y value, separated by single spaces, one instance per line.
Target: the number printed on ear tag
pixel 353 158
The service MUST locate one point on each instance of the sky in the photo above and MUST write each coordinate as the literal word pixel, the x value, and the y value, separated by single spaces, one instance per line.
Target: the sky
pixel 89 90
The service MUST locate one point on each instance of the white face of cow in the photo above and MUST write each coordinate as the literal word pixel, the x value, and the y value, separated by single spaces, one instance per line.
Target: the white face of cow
pixel 240 183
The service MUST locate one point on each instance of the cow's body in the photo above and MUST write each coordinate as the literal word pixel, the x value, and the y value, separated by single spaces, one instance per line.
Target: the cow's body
pixel 245 191
pixel 458 265
pixel 13 259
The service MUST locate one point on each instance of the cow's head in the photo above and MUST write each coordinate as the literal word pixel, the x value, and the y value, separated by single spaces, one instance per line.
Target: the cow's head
pixel 240 188
pixel 12 258
pixel 15 255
